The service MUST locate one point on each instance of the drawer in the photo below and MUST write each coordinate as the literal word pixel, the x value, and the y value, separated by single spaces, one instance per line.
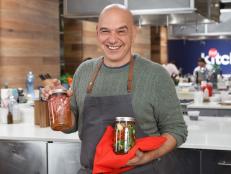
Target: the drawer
pixel 216 162
pixel 23 157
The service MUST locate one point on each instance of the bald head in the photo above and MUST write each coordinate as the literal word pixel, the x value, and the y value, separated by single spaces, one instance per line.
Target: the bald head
pixel 116 33
pixel 117 9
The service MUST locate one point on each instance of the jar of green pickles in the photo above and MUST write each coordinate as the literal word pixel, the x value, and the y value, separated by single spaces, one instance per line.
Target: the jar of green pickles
pixel 124 136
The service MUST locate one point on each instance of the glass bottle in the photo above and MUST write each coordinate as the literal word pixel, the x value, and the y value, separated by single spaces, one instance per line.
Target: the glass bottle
pixel 30 84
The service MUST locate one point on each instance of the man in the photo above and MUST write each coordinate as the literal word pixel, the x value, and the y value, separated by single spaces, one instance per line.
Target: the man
pixel 122 84
pixel 200 73
pixel 171 68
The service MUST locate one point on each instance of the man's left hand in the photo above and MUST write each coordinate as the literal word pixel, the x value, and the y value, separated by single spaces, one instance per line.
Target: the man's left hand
pixel 140 158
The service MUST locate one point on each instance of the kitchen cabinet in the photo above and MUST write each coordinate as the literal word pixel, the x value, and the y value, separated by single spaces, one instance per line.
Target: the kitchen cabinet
pixel 39 157
pixel 180 161
pixel 194 161
pixel 212 112
pixel 216 162
pixel 224 112
pixel 63 158
pixel 23 157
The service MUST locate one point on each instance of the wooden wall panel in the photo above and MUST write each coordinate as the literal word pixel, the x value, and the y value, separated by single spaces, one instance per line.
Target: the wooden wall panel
pixel 155 44
pixel 163 45
pixel 72 45
pixel 159 39
pixel 142 43
pixel 91 47
pixel 29 40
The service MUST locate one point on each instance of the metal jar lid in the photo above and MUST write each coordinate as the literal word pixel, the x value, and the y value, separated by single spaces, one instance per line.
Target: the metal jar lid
pixel 59 91
pixel 125 119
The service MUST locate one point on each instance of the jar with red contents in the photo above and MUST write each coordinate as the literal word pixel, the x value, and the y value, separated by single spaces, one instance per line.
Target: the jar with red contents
pixel 59 110
pixel 209 87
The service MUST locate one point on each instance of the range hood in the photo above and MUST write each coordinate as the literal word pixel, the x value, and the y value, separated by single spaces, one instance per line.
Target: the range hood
pixel 206 29
pixel 221 30
pixel 184 18
pixel 155 11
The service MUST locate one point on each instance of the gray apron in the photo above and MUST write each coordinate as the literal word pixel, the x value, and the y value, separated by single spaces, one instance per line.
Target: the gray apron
pixel 98 113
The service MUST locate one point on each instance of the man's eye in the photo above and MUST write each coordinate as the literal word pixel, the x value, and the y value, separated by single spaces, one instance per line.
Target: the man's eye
pixel 122 31
pixel 104 31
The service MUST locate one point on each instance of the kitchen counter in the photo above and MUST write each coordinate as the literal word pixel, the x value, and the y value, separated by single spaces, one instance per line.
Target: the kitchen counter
pixel 206 133
pixel 208 105
pixel 29 132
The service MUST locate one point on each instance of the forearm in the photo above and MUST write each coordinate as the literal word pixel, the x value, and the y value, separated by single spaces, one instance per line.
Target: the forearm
pixel 168 146
pixel 145 157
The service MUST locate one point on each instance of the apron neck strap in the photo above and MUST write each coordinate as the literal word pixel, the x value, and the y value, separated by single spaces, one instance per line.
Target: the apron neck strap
pixel 130 75
pixel 94 76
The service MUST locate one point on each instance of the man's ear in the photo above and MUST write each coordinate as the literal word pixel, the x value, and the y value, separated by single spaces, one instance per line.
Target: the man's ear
pixel 97 32
pixel 134 32
pixel 96 28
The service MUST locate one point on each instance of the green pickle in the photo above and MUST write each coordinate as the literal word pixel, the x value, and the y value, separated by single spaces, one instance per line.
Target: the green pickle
pixel 124 136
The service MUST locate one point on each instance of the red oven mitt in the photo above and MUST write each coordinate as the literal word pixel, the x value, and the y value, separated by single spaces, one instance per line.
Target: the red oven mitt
pixel 106 161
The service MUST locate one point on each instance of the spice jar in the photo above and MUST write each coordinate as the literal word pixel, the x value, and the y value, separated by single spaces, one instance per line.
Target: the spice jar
pixel 124 136
pixel 59 110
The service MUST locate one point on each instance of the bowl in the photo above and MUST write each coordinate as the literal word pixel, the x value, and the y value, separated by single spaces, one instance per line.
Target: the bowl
pixel 193 115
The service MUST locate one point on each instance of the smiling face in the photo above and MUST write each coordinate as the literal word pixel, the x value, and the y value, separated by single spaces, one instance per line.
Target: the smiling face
pixel 116 32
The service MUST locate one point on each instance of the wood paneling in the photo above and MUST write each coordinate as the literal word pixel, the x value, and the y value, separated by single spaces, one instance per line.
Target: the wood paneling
pixel 159 39
pixel 163 45
pixel 90 44
pixel 142 43
pixel 72 45
pixel 29 40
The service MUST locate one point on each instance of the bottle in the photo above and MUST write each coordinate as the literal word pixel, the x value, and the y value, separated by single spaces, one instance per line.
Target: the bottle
pixel 30 84
pixel 10 113
pixel 197 77
pixel 14 110
pixel 206 95
pixel 9 118
pixel 21 97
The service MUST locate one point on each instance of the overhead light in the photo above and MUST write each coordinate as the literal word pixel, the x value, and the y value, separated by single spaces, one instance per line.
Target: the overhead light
pixel 206 21
pixel 222 37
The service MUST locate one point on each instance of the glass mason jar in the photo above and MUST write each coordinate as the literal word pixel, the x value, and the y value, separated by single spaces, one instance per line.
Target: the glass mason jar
pixel 124 136
pixel 59 110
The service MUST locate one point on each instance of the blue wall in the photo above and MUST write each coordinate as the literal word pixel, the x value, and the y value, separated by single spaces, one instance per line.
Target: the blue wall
pixel 186 52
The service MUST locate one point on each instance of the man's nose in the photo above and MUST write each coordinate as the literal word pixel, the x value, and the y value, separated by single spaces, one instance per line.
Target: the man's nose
pixel 112 38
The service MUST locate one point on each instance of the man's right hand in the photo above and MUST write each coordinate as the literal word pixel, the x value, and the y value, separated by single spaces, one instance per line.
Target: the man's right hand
pixel 51 84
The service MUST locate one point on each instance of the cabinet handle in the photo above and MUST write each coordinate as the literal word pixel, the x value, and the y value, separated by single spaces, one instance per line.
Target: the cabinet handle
pixel 223 163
